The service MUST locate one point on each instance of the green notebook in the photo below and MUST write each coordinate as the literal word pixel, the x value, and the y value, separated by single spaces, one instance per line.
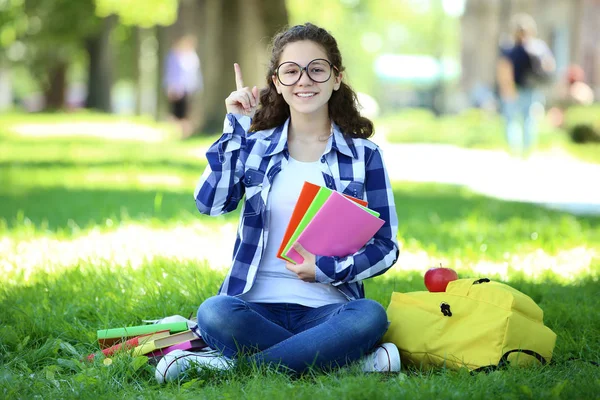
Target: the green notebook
pixel 129 331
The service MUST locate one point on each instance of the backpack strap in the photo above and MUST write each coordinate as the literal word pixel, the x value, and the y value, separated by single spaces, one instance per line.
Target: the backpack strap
pixel 503 363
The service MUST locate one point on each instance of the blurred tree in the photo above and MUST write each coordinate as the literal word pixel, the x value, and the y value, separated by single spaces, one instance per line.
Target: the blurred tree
pixel 144 13
pixel 100 66
pixel 48 32
pixel 218 38
pixel 255 22
pixel 13 24
pixel 47 36
pixel 386 26
pixel 140 16
pixel 54 32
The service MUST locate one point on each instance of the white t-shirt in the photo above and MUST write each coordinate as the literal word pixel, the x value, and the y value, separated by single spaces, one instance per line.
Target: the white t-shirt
pixel 274 282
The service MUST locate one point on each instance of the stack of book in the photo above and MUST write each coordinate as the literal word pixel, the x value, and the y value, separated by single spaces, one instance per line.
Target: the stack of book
pixel 151 340
pixel 327 223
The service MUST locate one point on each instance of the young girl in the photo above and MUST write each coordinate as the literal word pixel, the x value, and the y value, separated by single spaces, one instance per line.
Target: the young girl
pixel 308 128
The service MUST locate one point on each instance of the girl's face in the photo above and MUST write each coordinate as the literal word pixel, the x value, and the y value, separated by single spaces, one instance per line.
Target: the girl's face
pixel 306 96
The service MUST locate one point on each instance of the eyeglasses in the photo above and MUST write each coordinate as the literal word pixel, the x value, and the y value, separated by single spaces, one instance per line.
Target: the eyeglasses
pixel 318 70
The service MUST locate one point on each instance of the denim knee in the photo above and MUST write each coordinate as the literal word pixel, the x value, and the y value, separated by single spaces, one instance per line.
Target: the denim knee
pixel 373 318
pixel 215 313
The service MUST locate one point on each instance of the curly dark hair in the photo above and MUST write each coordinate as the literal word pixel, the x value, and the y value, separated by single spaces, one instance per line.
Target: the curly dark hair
pixel 343 104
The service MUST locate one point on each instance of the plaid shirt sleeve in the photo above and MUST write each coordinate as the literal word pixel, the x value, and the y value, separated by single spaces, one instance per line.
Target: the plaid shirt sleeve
pixel 381 252
pixel 220 188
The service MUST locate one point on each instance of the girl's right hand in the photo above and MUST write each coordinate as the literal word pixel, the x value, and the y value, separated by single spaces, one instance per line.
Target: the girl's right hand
pixel 243 100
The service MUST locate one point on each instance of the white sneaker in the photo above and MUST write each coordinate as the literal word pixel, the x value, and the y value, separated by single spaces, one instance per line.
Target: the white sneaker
pixel 385 358
pixel 172 365
pixel 169 319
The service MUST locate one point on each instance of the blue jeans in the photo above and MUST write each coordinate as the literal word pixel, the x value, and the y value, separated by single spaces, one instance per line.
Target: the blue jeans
pixel 521 125
pixel 292 335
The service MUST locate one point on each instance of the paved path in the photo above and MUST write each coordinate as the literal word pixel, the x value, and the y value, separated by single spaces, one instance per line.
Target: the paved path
pixel 553 179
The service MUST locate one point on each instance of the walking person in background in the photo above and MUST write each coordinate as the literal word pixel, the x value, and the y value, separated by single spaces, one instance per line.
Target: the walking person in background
pixel 182 79
pixel 523 66
pixel 308 128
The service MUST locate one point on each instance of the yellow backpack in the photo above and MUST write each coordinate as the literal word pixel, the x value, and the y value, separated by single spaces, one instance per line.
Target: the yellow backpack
pixel 475 323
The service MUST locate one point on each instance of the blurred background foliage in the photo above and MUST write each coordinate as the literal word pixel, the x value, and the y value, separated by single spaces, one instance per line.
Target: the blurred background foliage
pixel 433 55
pixel 385 27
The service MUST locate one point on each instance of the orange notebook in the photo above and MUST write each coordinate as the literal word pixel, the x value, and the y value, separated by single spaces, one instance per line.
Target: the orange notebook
pixel 307 194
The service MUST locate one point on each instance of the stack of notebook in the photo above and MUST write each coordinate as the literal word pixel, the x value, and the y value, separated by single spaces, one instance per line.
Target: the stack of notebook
pixel 152 340
pixel 327 223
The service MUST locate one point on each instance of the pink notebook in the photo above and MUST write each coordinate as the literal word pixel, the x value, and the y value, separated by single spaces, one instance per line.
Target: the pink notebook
pixel 340 228
pixel 187 345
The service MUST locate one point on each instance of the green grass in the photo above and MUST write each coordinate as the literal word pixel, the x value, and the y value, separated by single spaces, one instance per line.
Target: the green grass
pixel 476 128
pixel 64 199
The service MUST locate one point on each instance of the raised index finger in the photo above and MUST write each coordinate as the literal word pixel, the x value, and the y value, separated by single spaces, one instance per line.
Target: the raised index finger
pixel 239 82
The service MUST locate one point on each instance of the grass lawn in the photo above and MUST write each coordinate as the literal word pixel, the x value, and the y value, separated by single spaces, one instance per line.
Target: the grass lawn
pixel 101 233
pixel 476 128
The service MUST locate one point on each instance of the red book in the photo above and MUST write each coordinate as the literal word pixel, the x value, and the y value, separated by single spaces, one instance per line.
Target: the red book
pixel 308 193
pixel 131 343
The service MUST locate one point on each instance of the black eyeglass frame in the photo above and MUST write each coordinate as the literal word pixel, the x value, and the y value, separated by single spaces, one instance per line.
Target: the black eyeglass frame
pixel 305 69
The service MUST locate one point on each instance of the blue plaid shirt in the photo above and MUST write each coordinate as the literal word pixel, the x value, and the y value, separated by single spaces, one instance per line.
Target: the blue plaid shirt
pixel 246 164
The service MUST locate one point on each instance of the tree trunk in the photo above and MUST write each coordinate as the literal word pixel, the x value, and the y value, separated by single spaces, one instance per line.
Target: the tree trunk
pixel 136 60
pixel 274 16
pixel 100 74
pixel 163 40
pixel 221 45
pixel 56 90
pixel 257 22
pixel 479 44
pixel 6 94
pixel 252 53
pixel 438 104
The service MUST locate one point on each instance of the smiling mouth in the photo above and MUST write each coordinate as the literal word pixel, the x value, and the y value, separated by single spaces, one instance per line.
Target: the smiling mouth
pixel 305 95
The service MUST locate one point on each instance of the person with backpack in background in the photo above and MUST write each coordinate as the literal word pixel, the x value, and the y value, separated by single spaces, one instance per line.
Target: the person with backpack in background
pixel 523 67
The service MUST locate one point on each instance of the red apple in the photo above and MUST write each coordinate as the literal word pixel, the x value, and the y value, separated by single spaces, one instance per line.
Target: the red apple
pixel 436 279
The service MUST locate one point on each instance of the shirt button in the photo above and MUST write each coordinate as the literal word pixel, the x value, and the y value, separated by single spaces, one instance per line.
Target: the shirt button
pixel 323 159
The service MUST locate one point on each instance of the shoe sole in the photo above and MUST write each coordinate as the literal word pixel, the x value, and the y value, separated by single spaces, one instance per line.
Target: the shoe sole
pixel 396 353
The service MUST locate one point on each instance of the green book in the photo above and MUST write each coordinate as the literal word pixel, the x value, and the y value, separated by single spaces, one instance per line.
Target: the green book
pixel 129 331
pixel 320 199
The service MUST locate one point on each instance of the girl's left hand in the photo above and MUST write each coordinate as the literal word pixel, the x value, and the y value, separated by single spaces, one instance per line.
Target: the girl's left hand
pixel 306 271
